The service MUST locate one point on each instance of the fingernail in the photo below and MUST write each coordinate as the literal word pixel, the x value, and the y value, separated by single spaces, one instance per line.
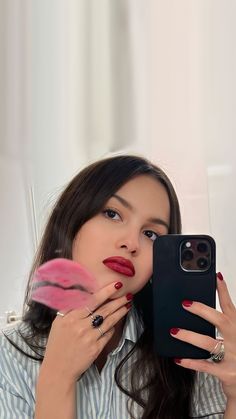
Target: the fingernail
pixel 128 305
pixel 220 276
pixel 177 360
pixel 129 296
pixel 187 303
pixel 118 285
pixel 174 330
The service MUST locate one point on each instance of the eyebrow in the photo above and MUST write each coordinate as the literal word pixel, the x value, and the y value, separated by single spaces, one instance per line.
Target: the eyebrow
pixel 126 204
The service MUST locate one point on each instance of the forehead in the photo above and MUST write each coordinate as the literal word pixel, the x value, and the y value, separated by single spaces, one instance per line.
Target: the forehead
pixel 145 191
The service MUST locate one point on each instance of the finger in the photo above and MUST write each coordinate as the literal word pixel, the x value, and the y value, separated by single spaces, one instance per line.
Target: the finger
pixel 104 294
pixel 113 305
pixel 226 303
pixel 60 315
pixel 103 340
pixel 210 314
pixel 196 339
pixel 97 299
pixel 113 319
pixel 201 366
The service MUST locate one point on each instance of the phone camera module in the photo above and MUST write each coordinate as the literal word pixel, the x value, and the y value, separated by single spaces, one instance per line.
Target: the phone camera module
pixel 195 254
pixel 202 247
pixel 202 263
pixel 187 255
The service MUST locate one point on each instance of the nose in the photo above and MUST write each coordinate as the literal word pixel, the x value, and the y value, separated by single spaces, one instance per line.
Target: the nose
pixel 130 242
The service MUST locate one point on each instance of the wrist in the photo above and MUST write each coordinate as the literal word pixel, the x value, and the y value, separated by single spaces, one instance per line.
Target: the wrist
pixel 50 377
pixel 55 396
pixel 230 408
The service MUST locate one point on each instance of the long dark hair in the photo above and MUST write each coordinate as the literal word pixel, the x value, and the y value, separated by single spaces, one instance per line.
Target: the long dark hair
pixel 167 387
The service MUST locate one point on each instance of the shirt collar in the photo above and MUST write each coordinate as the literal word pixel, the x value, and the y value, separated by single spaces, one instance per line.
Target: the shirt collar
pixel 131 332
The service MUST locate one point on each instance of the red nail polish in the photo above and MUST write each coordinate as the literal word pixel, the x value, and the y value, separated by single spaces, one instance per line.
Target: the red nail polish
pixel 177 360
pixel 128 305
pixel 220 276
pixel 118 285
pixel 174 330
pixel 187 303
pixel 129 296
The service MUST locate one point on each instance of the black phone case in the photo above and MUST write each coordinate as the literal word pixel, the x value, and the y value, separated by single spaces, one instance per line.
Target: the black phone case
pixel 172 285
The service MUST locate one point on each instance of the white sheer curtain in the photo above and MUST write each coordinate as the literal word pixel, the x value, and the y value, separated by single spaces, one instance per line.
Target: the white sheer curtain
pixel 16 229
pixel 67 95
pixel 83 78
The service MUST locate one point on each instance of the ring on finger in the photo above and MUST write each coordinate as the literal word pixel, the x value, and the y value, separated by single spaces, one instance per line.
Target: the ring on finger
pixel 60 314
pixel 88 309
pixel 97 320
pixel 218 356
pixel 214 350
pixel 101 331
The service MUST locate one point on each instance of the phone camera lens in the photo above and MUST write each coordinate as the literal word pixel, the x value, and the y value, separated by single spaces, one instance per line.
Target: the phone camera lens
pixel 202 247
pixel 202 263
pixel 187 255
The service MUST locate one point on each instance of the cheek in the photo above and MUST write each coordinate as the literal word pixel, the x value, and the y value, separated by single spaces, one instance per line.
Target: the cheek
pixel 148 264
pixel 145 271
pixel 83 244
pixel 146 277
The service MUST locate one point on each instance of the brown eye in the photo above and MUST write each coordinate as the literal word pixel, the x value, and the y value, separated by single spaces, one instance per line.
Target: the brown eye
pixel 109 213
pixel 151 234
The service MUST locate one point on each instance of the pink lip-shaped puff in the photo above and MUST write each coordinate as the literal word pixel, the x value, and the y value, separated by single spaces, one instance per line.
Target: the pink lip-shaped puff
pixel 66 273
pixel 62 284
pixel 61 299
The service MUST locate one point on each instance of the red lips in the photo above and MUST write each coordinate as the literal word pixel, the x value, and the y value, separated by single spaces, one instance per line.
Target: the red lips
pixel 120 265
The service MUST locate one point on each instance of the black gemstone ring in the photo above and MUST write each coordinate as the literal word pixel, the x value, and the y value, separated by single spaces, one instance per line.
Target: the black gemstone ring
pixel 97 320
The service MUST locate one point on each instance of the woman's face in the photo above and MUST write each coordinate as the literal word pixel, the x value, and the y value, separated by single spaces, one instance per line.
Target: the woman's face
pixel 117 244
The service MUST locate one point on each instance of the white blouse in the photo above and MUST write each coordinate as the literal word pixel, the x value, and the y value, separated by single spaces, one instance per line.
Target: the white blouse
pixel 98 396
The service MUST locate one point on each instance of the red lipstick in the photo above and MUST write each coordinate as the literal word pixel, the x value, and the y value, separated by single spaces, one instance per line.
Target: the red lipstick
pixel 120 265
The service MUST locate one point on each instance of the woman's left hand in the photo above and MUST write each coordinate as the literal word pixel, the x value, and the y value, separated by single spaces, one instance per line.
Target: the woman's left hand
pixel 225 322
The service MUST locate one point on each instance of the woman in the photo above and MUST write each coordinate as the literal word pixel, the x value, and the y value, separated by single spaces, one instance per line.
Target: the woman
pixel 57 365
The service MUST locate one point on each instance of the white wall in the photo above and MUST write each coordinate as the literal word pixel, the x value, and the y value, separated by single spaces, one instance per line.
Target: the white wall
pixel 193 91
pixel 186 70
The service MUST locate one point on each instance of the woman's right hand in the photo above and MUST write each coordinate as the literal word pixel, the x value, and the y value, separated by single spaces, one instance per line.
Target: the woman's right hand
pixel 74 344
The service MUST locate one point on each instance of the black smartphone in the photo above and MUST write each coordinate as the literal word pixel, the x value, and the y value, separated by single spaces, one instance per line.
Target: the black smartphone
pixel 184 269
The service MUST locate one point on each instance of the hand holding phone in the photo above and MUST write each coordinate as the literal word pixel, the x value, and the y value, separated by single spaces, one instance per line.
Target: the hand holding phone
pixel 184 269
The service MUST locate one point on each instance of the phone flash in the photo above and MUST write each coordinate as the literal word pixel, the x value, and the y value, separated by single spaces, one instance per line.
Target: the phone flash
pixel 188 244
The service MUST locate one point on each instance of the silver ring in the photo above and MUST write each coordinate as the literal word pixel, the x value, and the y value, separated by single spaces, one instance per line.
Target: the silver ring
pixel 90 312
pixel 215 347
pixel 219 356
pixel 101 331
pixel 60 314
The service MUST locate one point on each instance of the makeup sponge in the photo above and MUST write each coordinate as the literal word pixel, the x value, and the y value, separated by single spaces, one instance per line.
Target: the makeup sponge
pixel 63 284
